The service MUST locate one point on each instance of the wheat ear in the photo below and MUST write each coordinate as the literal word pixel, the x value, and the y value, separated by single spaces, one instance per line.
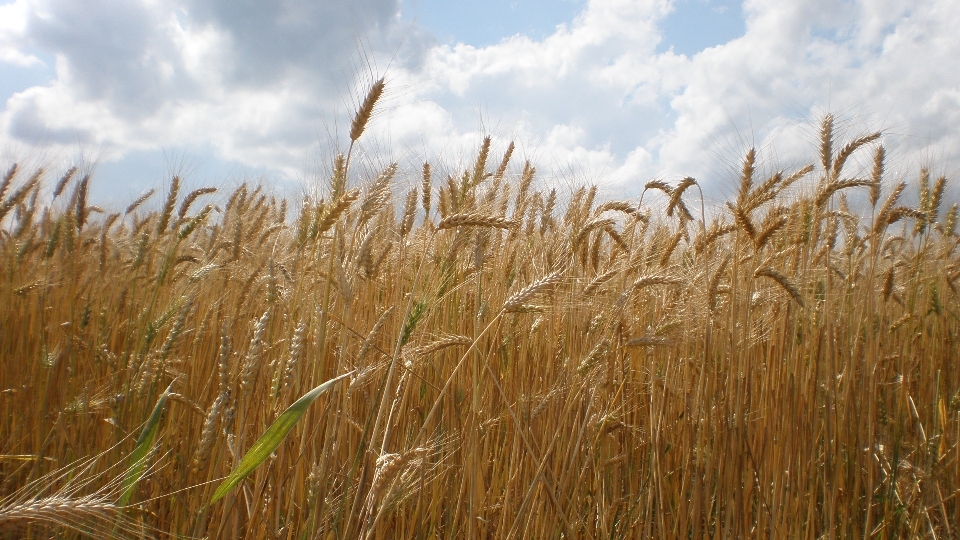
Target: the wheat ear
pixel 521 297
pixel 783 280
pixel 476 220
pixel 366 110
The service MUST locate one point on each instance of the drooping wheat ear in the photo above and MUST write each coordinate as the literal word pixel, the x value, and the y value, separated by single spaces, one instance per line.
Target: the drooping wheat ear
pixel 251 364
pixel 783 280
pixel 338 180
pixel 670 247
pixel 84 515
pixel 140 200
pixel 208 432
pixel 656 279
pixel 616 237
pixel 426 190
pixel 333 212
pixel 676 201
pixel 705 239
pixel 590 226
pixel 880 222
pixel 479 168
pixel 659 185
pixel 366 110
pixel 902 212
pixel 62 183
pixel 826 143
pixel 900 322
pixel 191 198
pixel 746 178
pixel 849 149
pixel 8 179
pixel 598 281
pixel 195 222
pixel 20 194
pixel 769 230
pixel 764 193
pixel 617 206
pixel 829 189
pixel 168 205
pixel 176 330
pixel 440 344
pixel 790 180
pixel 371 340
pixel 887 284
pixel 389 467
pixel 476 220
pixel 596 354
pixel 502 169
pixel 743 220
pixel 521 297
pixel 409 213
pixel 377 196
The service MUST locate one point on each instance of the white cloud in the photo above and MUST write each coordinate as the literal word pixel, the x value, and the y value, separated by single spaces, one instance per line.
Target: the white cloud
pixel 266 85
pixel 12 33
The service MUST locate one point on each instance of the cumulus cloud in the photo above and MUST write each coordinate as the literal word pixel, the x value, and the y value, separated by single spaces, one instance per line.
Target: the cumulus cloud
pixel 597 92
pixel 261 83
pixel 257 81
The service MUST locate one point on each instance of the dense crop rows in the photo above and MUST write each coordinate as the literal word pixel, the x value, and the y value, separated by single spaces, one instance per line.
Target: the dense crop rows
pixel 524 363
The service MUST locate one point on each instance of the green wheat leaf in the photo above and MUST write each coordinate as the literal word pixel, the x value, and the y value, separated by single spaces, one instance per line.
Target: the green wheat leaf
pixel 144 442
pixel 272 438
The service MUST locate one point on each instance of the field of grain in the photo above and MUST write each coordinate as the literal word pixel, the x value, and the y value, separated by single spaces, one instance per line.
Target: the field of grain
pixel 515 362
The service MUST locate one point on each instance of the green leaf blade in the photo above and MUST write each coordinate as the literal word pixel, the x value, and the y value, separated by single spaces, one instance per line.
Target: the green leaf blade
pixel 138 457
pixel 271 438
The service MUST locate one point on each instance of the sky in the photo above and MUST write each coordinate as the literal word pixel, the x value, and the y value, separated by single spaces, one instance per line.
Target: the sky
pixel 614 92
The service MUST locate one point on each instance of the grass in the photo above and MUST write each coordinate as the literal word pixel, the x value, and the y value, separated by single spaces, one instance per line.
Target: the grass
pixel 785 366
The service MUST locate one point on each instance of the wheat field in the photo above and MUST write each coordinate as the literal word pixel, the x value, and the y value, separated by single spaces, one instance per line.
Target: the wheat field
pixel 514 362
